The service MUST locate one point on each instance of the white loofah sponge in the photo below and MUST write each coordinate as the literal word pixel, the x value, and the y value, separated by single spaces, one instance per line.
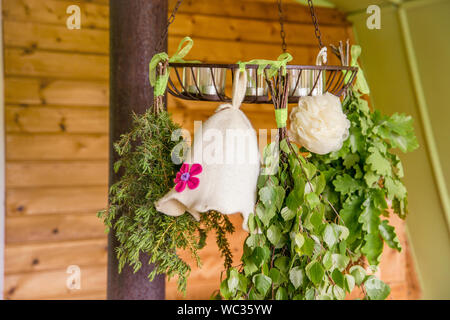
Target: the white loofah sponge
pixel 319 124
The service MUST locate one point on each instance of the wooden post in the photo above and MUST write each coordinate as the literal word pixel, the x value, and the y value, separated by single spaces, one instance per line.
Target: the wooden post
pixel 135 30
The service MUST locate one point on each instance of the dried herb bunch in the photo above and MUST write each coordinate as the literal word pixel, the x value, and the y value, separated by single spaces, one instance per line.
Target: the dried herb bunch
pixel 146 174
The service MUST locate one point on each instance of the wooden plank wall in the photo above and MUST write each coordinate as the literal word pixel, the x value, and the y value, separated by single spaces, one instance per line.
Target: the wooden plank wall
pixel 56 93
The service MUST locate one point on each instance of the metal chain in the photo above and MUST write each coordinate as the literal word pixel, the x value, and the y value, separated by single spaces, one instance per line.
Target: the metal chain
pixel 316 24
pixel 169 22
pixel 282 33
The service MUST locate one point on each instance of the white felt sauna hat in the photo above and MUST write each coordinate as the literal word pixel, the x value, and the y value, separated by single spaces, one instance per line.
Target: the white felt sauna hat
pixel 221 169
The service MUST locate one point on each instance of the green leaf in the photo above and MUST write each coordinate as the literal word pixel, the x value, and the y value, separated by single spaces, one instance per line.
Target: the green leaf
pixel 267 196
pixel 295 198
pixel 310 169
pixel 251 223
pixel 287 214
pixel 315 272
pixel 338 292
pixel 350 212
pixel 260 255
pixel 310 294
pixel 324 297
pixel 328 289
pixel 399 131
pixel 249 266
pixel 400 123
pixel 376 289
pixel 395 189
pixel 381 146
pixel 243 282
pixel 327 262
pixel 255 240
pixel 371 178
pixel 378 163
pixel 275 275
pixel 295 168
pixel 345 184
pixel 342 232
pixel 363 106
pixel 379 198
pixel 274 235
pixel 389 235
pixel 299 240
pixel 349 283
pixel 262 283
pixel 343 247
pixel 279 197
pixel 265 214
pixel 350 160
pixel 338 278
pixel 224 290
pixel 329 236
pixel 262 179
pixel 254 295
pixel 282 264
pixel 233 281
pixel 356 140
pixel 358 172
pixel 312 199
pixel 318 249
pixel 340 261
pixel 319 183
pixel 284 146
pixel 308 247
pixel 296 276
pixel 399 167
pixel 370 216
pixel 281 294
pixel 358 273
pixel 372 248
pixel 314 219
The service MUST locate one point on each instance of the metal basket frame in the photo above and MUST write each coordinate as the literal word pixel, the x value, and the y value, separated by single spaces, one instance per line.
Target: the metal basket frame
pixel 334 81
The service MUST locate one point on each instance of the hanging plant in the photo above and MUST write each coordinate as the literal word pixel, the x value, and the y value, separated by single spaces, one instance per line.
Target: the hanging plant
pixel 147 173
pixel 318 218
pixel 364 176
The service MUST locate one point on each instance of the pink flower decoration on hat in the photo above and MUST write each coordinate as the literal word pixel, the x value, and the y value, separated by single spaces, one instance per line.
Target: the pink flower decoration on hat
pixel 186 177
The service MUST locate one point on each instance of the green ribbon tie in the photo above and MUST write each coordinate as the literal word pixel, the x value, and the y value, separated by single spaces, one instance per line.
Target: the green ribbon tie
pixel 281 116
pixel 159 83
pixel 360 82
pixel 275 65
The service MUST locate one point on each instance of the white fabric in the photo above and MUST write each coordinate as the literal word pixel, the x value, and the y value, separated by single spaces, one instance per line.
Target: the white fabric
pixel 319 124
pixel 228 151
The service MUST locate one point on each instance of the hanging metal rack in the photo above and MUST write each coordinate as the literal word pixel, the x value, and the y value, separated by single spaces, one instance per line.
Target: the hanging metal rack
pixel 337 80
pixel 320 78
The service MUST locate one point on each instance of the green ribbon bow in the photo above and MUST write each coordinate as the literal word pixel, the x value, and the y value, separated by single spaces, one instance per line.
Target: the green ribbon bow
pixel 275 65
pixel 360 82
pixel 159 83
pixel 281 115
